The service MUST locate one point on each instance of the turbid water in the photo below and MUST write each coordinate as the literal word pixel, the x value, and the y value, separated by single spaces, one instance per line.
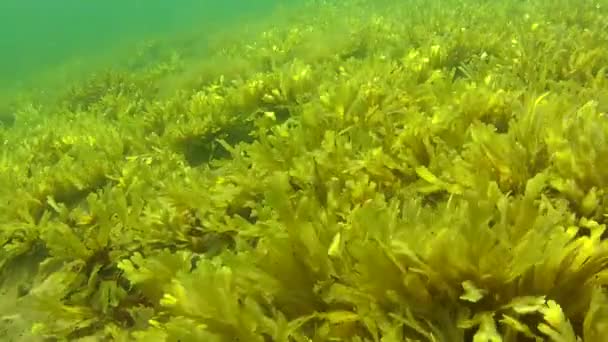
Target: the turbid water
pixel 36 36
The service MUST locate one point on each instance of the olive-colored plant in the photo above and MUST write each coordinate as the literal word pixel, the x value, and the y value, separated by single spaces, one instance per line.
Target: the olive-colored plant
pixel 352 171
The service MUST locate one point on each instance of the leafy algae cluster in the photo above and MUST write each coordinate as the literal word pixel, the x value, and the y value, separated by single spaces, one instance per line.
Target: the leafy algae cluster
pixel 364 171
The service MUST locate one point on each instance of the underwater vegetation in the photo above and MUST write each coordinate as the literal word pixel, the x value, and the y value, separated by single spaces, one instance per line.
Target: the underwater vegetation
pixel 364 171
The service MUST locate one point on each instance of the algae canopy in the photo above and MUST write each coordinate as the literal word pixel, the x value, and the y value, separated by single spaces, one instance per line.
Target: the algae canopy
pixel 404 170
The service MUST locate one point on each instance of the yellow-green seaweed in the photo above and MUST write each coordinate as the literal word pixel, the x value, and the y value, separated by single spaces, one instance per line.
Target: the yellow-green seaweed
pixel 365 171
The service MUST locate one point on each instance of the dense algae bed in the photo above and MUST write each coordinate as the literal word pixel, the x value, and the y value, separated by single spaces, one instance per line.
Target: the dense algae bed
pixel 412 171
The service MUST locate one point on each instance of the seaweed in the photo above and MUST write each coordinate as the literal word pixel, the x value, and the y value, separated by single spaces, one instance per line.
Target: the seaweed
pixel 361 172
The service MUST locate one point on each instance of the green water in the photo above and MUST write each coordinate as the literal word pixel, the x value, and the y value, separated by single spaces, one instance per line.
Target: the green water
pixel 36 36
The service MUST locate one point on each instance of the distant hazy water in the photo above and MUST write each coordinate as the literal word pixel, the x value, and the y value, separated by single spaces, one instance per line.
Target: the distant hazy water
pixel 38 34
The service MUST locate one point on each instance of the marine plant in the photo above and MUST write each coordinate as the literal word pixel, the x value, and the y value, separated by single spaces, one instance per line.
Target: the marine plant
pixel 365 171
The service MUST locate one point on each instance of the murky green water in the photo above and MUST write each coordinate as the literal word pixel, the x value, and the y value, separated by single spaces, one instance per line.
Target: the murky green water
pixel 38 35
